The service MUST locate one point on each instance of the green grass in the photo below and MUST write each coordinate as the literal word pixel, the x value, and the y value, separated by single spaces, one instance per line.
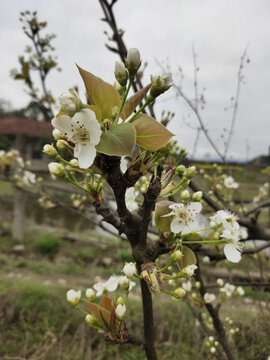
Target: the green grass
pixel 6 188
pixel 36 320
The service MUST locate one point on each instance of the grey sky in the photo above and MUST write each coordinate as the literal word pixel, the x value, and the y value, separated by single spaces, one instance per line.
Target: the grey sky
pixel 162 29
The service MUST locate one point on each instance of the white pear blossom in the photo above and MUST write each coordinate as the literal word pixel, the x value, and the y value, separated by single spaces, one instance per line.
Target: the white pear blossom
pixel 67 101
pixel 112 283
pixel 129 269
pixel 120 311
pixel 230 183
pixel 239 291
pixel 100 287
pixel 187 285
pixel 83 129
pixel 90 294
pixel 73 296
pixel 228 289
pixel 160 84
pixel 223 217
pixel 183 216
pixel 233 233
pixel 28 178
pixel 209 298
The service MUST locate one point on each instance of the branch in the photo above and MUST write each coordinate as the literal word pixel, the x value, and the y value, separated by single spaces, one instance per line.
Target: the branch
pixel 215 317
pixel 197 113
pixel 235 108
pixel 263 204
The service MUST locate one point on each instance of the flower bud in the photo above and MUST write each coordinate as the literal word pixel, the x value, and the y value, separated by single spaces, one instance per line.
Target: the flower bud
pixel 121 73
pixel 58 135
pixel 62 144
pixel 133 61
pixel 197 285
pixel 120 300
pixel 180 169
pixel 176 256
pixel 90 319
pixel 129 269
pixel 185 195
pixel 73 296
pixel 56 169
pixel 68 102
pixel 74 162
pixel 179 293
pixel 220 282
pixel 160 84
pixel 197 196
pixel 90 294
pixel 190 172
pixel 120 311
pixel 50 150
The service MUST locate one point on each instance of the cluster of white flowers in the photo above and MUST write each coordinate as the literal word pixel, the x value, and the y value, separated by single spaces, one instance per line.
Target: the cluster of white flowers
pixel 12 158
pixel 232 232
pixel 113 283
pixel 212 344
pixel 263 193
pixel 184 216
pixel 28 178
pixel 229 290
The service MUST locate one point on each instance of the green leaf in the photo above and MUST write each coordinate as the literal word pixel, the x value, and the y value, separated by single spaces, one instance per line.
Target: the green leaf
pixel 162 208
pixel 151 135
pixel 118 141
pixel 189 258
pixel 133 102
pixel 100 93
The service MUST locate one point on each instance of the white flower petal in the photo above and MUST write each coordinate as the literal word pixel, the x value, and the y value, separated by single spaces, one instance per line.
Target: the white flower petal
pixel 86 154
pixel 194 207
pixel 231 253
pixel 63 124
pixel 177 226
pixel 112 283
pixel 176 206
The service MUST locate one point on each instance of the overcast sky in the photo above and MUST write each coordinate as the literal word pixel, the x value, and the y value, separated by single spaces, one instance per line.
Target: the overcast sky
pixel 163 30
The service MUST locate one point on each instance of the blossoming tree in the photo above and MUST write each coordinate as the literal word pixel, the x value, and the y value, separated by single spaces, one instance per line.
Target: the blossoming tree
pixel 94 140
pixel 111 142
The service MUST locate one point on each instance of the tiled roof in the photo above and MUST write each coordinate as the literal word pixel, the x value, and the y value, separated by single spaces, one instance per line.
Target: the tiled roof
pixel 31 128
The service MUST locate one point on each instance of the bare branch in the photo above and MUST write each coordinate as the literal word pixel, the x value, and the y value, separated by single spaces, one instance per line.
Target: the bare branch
pixel 236 101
